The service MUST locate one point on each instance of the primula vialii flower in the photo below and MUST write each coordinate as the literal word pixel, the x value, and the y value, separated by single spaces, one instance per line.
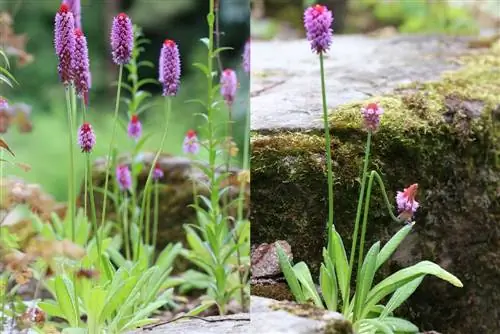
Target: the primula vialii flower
pixel 64 40
pixel 157 172
pixel 86 138
pixel 81 66
pixel 246 57
pixel 134 127
pixel 123 177
pixel 170 68
pixel 371 116
pixel 191 144
pixel 407 205
pixel 228 85
pixel 317 22
pixel 122 39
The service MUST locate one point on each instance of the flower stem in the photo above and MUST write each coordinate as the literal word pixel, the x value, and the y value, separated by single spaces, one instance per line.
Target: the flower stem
pixel 71 178
pixel 89 188
pixel 126 230
pixel 168 109
pixel 358 217
pixel 155 215
pixel 148 217
pixel 328 149
pixel 113 133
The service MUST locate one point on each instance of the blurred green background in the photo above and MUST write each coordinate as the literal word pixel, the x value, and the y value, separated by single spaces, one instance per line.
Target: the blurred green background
pixel 283 18
pixel 46 147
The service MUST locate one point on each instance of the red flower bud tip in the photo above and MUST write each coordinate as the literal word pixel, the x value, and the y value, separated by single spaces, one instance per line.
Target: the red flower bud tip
pixel 63 8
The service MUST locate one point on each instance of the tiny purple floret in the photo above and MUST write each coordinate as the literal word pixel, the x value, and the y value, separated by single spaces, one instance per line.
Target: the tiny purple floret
pixel 86 138
pixel 317 22
pixel 228 85
pixel 371 116
pixel 157 172
pixel 134 127
pixel 122 39
pixel 123 177
pixel 191 144
pixel 170 68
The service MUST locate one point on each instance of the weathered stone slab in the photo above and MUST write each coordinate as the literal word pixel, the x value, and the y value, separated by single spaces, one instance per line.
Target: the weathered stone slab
pixel 267 316
pixel 442 131
pixel 286 88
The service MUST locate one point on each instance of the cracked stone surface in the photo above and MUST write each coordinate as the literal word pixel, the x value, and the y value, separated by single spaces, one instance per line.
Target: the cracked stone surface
pixel 286 87
pixel 268 316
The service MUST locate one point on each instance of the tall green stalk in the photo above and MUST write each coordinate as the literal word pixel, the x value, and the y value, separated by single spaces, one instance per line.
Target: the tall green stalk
pixel 328 144
pixel 155 214
pixel 89 189
pixel 358 217
pixel 168 110
pixel 113 134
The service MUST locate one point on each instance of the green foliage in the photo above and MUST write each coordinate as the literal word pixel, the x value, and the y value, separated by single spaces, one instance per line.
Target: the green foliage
pixel 423 16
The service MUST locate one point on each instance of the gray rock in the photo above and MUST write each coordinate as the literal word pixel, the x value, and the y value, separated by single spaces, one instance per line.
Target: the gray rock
pixel 268 316
pixel 286 87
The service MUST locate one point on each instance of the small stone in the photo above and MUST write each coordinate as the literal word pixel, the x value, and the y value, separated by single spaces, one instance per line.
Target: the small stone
pixel 265 262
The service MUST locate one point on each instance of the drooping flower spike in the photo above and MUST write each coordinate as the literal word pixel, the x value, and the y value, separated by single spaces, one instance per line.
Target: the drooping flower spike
pixel 317 22
pixel 134 127
pixel 122 39
pixel 157 172
pixel 246 57
pixel 191 144
pixel 86 138
pixel 228 85
pixel 371 116
pixel 170 68
pixel 64 42
pixel 81 70
pixel 123 177
pixel 407 205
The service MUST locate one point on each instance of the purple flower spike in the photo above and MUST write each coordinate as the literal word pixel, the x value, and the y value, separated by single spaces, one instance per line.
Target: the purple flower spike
pixel 318 21
pixel 157 172
pixel 123 177
pixel 122 39
pixel 86 138
pixel 64 40
pixel 191 144
pixel 246 57
pixel 76 8
pixel 170 68
pixel 134 127
pixel 228 85
pixel 371 116
pixel 81 66
pixel 407 205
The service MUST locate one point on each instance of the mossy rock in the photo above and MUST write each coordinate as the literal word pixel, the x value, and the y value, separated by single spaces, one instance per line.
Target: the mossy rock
pixel 175 194
pixel 441 131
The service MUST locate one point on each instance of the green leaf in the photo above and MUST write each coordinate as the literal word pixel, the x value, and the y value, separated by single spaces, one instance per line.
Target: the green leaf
pixel 328 282
pixel 64 294
pixel 290 276
pixel 379 325
pixel 339 258
pixel 203 68
pixel 393 244
pixel 365 279
pixel 403 276
pixel 205 41
pixel 205 305
pixel 400 325
pixel 219 50
pixel 400 295
pixel 116 298
pixel 51 308
pixel 142 313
